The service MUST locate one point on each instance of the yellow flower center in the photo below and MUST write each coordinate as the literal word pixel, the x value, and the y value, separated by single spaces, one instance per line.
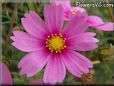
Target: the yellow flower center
pixel 55 43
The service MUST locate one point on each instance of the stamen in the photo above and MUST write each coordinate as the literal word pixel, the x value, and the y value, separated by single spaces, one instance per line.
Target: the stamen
pixel 56 51
pixel 49 48
pixel 46 42
pixel 52 51
pixel 46 45
pixel 73 11
pixel 60 35
pixel 59 51
pixel 55 43
pixel 55 34
pixel 51 34
pixel 64 38
pixel 64 46
pixel 48 36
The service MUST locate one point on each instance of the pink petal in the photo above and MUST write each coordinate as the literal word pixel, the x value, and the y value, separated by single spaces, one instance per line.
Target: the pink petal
pixel 82 42
pixel 26 42
pixel 37 82
pixel 78 9
pixel 109 26
pixel 54 17
pixel 5 75
pixel 85 46
pixel 71 66
pixel 97 23
pixel 76 63
pixel 83 59
pixel 33 62
pixel 55 71
pixel 94 21
pixel 34 25
pixel 65 3
pixel 66 6
pixel 76 25
pixel 69 15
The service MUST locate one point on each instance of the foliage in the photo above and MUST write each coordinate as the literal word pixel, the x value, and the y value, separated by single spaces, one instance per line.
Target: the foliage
pixel 104 53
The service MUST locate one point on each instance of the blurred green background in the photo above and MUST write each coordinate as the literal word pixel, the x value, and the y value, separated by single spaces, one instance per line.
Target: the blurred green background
pixel 103 71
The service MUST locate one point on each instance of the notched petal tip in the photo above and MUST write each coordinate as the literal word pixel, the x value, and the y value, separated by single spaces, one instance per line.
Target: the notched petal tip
pixel 16 32
pixel 12 38
pixel 19 65
pixel 13 43
pixel 95 40
pixel 28 13
pixel 91 33
pixel 90 65
pixel 21 73
pixel 23 20
pixel 31 12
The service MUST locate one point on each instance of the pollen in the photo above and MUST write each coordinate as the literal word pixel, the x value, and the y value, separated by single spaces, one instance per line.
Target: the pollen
pixel 73 11
pixel 55 43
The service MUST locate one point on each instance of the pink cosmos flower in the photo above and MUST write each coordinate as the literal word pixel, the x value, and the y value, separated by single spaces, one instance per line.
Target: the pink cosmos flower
pixel 5 75
pixel 53 46
pixel 93 21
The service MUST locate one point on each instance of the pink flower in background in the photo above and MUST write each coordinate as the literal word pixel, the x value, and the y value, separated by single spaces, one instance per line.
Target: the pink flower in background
pixel 53 46
pixel 93 21
pixel 97 23
pixel 5 75
pixel 6 79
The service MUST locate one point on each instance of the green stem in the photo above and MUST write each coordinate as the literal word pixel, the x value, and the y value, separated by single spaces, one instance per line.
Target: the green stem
pixel 35 6
pixel 11 26
pixel 26 3
pixel 110 11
